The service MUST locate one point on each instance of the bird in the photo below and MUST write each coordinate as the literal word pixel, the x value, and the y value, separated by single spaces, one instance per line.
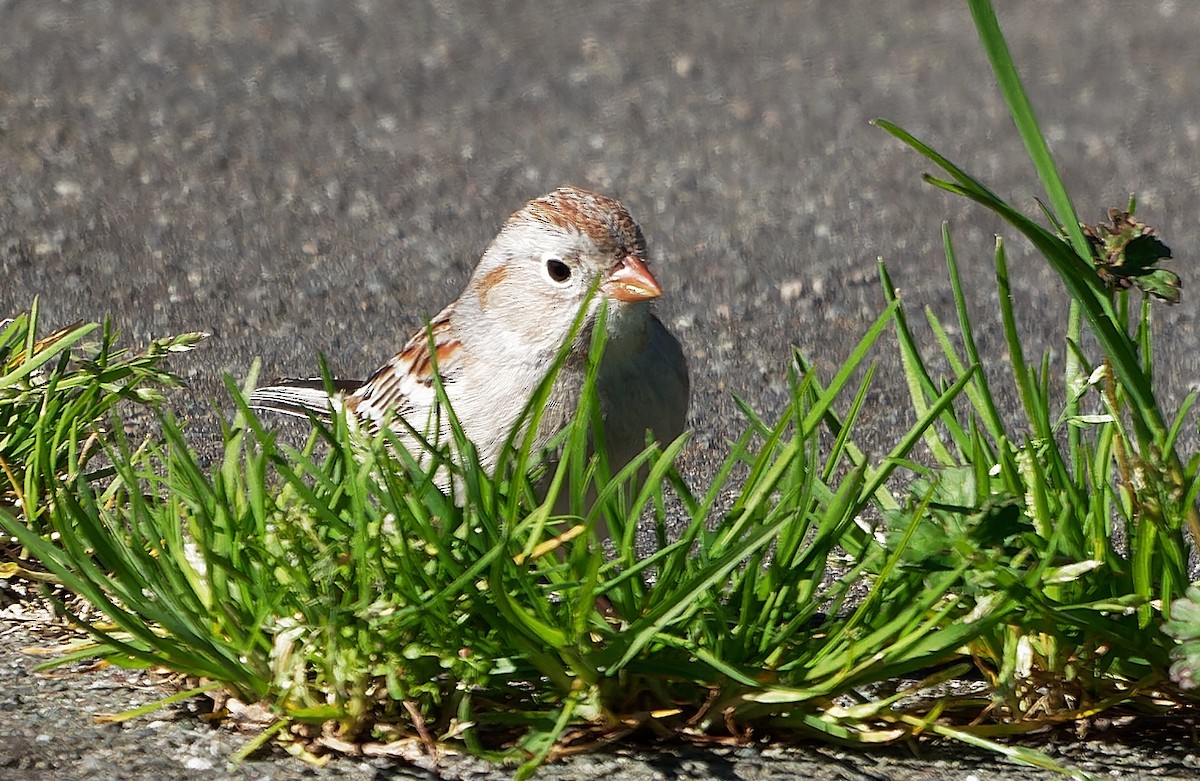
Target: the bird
pixel 562 257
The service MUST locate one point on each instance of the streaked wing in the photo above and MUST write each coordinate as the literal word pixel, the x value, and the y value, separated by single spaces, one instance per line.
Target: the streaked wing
pixel 404 385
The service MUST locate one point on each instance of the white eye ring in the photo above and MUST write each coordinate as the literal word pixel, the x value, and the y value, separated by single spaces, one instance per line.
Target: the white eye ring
pixel 558 271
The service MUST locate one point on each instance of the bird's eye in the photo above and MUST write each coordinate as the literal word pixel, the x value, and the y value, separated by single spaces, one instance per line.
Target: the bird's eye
pixel 558 271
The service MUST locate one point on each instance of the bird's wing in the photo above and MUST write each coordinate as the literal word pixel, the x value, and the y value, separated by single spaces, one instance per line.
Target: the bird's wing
pixel 404 385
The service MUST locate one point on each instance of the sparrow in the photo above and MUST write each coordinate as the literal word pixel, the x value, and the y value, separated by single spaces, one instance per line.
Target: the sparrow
pixel 559 258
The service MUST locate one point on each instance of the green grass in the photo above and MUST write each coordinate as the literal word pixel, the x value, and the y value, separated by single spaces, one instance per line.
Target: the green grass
pixel 55 398
pixel 805 596
pixel 347 590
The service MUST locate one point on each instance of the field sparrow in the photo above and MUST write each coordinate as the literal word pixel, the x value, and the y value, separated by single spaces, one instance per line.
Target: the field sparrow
pixel 495 343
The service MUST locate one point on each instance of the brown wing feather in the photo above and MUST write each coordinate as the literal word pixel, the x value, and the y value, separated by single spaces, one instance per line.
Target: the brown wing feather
pixel 404 384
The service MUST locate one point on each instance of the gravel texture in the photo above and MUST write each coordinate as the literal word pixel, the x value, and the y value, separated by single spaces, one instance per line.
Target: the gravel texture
pixel 311 176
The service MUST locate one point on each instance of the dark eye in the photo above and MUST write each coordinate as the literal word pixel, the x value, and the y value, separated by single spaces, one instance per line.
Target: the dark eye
pixel 558 271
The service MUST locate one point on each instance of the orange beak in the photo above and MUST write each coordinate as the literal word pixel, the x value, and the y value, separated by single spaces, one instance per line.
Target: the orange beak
pixel 631 281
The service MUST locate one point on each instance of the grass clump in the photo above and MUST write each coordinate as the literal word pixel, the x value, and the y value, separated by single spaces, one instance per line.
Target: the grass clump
pixel 364 604
pixel 340 587
pixel 1109 499
pixel 57 393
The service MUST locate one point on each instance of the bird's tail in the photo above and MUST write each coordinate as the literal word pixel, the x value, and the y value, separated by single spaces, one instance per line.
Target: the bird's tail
pixel 302 398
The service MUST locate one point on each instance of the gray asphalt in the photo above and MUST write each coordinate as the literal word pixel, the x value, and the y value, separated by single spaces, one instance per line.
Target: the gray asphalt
pixel 311 176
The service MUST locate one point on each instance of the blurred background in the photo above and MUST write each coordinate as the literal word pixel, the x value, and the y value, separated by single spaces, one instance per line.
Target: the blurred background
pixel 309 177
